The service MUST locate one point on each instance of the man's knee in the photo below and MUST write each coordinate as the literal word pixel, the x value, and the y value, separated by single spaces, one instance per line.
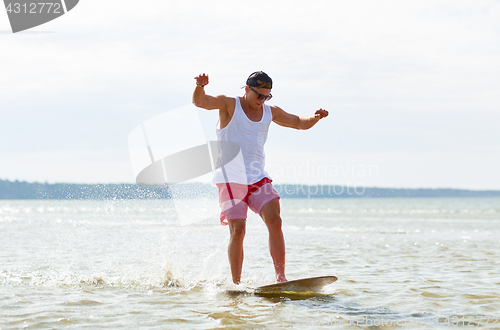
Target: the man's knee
pixel 274 222
pixel 238 233
pixel 237 229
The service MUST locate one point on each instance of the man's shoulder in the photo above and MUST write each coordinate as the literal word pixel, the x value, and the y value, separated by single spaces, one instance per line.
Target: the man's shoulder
pixel 275 110
pixel 228 100
pixel 227 104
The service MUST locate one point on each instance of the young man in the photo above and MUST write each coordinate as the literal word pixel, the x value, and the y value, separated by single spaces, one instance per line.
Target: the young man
pixel 243 182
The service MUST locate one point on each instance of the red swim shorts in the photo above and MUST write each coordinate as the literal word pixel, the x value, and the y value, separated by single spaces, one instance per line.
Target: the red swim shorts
pixel 236 198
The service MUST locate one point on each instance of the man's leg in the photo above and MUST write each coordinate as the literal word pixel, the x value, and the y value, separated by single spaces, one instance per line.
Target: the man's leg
pixel 270 213
pixel 235 248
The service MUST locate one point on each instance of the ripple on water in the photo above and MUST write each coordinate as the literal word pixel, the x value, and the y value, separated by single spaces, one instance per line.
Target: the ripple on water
pixel 83 302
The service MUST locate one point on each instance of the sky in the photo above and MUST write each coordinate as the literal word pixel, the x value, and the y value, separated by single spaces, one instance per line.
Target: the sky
pixel 412 87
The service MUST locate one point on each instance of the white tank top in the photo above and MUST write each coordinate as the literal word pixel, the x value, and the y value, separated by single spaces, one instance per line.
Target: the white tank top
pixel 248 166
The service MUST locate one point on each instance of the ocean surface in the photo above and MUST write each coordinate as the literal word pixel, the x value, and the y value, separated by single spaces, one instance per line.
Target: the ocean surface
pixel 125 264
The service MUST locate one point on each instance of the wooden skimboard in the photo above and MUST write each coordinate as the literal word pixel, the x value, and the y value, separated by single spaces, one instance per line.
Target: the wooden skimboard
pixel 297 288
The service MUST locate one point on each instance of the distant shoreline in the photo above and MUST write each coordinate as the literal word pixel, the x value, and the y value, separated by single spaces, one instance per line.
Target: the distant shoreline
pixel 35 190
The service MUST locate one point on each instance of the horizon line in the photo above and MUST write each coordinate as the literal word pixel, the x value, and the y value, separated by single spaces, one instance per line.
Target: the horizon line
pixel 274 183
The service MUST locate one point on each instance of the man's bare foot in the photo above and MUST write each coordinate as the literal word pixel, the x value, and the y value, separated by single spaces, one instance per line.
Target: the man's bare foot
pixel 281 278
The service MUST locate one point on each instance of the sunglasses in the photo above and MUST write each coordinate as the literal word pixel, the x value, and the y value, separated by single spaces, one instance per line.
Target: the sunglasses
pixel 261 96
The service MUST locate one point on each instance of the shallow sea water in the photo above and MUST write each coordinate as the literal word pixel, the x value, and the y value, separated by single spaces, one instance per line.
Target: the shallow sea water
pixel 401 263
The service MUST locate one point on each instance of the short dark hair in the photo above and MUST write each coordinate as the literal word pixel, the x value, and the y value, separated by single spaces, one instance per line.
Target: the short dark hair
pixel 260 79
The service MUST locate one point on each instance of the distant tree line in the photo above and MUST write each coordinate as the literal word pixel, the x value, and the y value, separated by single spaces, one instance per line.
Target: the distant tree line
pixel 35 190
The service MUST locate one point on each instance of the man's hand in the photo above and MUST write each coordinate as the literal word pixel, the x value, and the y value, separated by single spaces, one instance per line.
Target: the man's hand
pixel 201 80
pixel 321 113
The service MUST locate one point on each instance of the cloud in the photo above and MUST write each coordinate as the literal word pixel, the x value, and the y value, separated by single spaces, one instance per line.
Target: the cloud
pixel 397 76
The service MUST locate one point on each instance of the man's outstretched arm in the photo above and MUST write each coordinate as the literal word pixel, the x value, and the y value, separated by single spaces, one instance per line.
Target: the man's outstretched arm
pixel 286 119
pixel 202 100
